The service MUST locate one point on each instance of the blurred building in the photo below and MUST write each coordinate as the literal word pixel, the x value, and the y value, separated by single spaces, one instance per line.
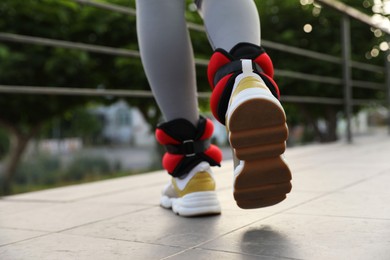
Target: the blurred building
pixel 123 124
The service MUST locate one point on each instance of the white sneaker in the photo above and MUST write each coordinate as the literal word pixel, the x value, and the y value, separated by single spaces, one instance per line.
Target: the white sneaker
pixel 257 129
pixel 193 195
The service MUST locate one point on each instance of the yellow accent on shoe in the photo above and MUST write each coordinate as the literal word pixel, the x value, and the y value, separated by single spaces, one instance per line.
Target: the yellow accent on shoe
pixel 202 181
pixel 246 83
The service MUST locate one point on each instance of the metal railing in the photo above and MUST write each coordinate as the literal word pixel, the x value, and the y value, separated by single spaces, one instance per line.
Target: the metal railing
pixel 347 13
pixel 344 62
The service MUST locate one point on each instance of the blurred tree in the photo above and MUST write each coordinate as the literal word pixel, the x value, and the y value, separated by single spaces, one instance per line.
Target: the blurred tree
pixel 4 143
pixel 79 122
pixel 32 65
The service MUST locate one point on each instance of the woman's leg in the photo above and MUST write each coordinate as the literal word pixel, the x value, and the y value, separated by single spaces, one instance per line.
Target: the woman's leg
pixel 229 22
pixel 245 99
pixel 167 57
pixel 168 61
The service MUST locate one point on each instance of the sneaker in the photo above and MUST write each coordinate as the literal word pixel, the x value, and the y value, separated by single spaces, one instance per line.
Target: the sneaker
pixel 256 124
pixel 193 194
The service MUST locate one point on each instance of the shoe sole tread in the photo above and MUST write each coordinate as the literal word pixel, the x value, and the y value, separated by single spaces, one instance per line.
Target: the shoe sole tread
pixel 258 134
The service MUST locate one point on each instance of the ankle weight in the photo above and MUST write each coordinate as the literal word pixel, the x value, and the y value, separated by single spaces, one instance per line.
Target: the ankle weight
pixel 187 145
pixel 225 66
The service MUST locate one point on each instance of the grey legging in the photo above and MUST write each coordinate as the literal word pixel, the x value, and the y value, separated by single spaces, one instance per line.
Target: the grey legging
pixel 166 49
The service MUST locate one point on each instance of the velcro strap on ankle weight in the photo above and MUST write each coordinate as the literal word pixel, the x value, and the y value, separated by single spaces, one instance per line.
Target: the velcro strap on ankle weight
pixel 187 145
pixel 233 67
pixel 225 66
pixel 245 50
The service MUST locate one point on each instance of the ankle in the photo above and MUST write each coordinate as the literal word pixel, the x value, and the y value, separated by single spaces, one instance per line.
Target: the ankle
pixel 187 146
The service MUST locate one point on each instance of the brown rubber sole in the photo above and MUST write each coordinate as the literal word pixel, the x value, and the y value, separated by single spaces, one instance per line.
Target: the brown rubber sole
pixel 258 132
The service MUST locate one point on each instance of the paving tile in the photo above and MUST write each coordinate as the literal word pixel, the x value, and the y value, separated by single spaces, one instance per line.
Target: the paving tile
pixel 309 237
pixel 338 209
pixel 358 153
pixel 330 177
pixel 224 175
pixel 347 204
pixel 201 254
pixel 88 190
pixel 294 199
pixel 110 189
pixel 11 207
pixel 9 236
pixel 161 226
pixel 145 196
pixel 150 194
pixel 378 184
pixel 64 215
pixel 366 199
pixel 372 159
pixel 65 246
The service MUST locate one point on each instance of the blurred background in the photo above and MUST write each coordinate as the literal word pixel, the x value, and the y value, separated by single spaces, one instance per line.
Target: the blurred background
pixel 75 105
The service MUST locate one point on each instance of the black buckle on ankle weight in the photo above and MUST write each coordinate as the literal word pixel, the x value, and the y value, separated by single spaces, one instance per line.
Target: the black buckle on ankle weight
pixel 188 148
pixel 233 67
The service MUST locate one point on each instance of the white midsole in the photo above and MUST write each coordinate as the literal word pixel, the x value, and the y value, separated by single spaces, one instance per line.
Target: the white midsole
pixel 242 97
pixel 196 203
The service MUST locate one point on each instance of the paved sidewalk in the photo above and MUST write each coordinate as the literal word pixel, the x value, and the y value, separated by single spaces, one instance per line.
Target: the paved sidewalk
pixel 339 209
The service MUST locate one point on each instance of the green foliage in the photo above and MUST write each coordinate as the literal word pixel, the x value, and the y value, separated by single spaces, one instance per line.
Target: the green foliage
pixel 32 65
pixel 47 171
pixel 66 20
pixel 4 143
pixel 283 22
pixel 78 122
pixel 35 65
pixel 83 124
pixel 86 166
pixel 41 169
